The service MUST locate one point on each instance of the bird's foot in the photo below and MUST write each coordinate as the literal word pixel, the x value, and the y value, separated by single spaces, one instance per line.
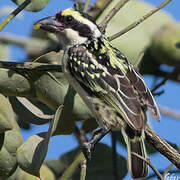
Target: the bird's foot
pixel 86 149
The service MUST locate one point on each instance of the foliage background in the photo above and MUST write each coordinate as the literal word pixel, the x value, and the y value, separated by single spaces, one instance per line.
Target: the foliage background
pixel 168 128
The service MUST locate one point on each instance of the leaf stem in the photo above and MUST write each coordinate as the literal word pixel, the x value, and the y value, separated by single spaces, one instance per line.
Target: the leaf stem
pixel 83 169
pixel 111 14
pixel 138 21
pixel 13 14
pixel 71 169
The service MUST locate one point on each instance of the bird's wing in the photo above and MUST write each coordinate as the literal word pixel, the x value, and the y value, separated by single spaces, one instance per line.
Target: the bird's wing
pixel 118 85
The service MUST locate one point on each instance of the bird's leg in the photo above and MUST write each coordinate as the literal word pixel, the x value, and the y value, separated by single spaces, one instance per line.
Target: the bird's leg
pixel 88 146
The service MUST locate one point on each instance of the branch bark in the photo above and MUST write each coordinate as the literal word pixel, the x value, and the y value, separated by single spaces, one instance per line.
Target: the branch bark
pixel 163 147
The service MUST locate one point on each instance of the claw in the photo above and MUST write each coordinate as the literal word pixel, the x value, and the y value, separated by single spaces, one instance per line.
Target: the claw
pixel 86 149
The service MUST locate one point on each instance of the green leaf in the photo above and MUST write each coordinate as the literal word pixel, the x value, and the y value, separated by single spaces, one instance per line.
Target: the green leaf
pixel 9 143
pixel 4 51
pixel 33 152
pixel 45 172
pixel 164 44
pixel 9 140
pixel 56 166
pixel 35 5
pixel 8 163
pixel 142 34
pixel 74 110
pixel 6 114
pixel 99 166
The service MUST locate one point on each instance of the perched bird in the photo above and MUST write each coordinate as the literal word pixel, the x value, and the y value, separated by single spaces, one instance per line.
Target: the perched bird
pixel 107 82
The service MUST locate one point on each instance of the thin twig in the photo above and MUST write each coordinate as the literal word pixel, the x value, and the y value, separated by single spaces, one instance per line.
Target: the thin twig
pixel 169 112
pixel 86 6
pixel 114 155
pixel 78 5
pixel 137 22
pixel 150 164
pixel 80 135
pixel 111 14
pixel 158 93
pixel 97 8
pixel 71 169
pixel 167 170
pixel 13 14
pixel 162 146
pixel 160 84
pixel 153 175
pixel 139 59
pixel 30 66
pixel 174 73
pixel 83 169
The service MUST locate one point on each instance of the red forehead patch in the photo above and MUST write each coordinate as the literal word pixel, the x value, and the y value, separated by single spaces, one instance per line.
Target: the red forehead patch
pixel 59 13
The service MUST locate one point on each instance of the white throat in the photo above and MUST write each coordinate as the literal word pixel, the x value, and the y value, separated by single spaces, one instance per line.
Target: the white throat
pixel 70 37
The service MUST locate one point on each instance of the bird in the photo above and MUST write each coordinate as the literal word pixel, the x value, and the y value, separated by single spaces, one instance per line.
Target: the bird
pixel 108 83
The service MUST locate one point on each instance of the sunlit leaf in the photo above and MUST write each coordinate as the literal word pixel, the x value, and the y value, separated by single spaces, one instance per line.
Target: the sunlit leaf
pixel 9 143
pixel 45 173
pixel 164 44
pixel 32 153
pixel 34 5
pixel 6 114
pixel 142 34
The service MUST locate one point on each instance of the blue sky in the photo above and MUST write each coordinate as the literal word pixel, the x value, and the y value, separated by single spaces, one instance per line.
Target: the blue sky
pixel 168 128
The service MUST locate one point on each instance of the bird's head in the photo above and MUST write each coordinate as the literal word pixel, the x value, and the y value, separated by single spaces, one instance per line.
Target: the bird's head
pixel 70 26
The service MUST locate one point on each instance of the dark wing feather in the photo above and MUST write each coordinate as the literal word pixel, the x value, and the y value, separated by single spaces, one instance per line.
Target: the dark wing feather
pixel 115 89
pixel 144 92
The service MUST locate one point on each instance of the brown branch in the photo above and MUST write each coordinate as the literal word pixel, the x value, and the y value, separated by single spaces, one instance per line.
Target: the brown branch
pixel 150 164
pixel 167 170
pixel 98 7
pixel 169 112
pixel 25 66
pixel 139 59
pixel 83 169
pixel 80 135
pixel 162 146
pixel 137 22
pixel 111 14
pixel 160 84
pixel 174 73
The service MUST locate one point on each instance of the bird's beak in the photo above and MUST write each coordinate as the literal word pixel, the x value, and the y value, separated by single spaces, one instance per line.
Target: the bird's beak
pixel 49 24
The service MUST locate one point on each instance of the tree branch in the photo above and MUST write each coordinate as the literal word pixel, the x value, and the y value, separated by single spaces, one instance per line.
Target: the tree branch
pixel 167 170
pixel 83 169
pixel 169 112
pixel 71 169
pixel 111 14
pixel 13 14
pixel 25 66
pixel 137 22
pixel 162 146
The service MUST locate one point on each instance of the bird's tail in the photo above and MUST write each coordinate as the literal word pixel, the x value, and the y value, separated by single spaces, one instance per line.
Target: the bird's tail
pixel 135 143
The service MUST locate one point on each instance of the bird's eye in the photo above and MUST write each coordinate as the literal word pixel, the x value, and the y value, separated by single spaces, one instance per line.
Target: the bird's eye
pixel 69 19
